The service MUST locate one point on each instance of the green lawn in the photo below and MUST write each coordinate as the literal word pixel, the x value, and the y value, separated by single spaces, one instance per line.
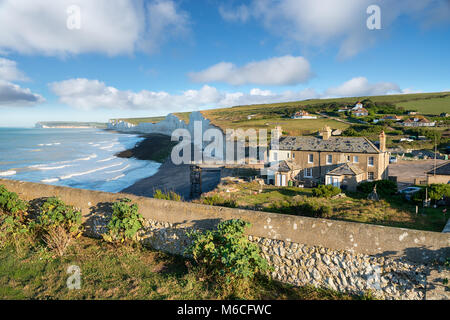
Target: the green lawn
pixel 109 272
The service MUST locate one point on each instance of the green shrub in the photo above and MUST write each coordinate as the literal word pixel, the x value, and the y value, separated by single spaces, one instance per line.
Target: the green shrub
pixel 326 191
pixel 58 224
pixel 125 223
pixel 216 200
pixel 435 192
pixel 385 188
pixel 171 195
pixel 55 213
pixel 226 256
pixel 302 206
pixel 13 213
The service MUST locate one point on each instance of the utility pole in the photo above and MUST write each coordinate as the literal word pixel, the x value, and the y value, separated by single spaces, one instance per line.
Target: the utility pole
pixel 435 154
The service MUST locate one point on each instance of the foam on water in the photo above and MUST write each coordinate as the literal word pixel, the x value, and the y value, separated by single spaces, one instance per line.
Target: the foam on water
pixel 70 157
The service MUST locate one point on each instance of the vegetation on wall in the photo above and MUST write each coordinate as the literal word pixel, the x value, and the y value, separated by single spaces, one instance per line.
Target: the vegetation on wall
pixel 226 256
pixel 125 223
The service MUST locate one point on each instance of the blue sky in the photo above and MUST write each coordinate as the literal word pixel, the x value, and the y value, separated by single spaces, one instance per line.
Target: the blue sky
pixel 146 58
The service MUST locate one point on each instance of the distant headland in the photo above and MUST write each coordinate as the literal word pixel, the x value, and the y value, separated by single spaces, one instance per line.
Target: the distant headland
pixel 69 125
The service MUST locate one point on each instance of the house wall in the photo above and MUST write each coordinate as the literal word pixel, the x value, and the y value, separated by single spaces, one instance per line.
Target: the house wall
pixel 320 166
pixel 438 179
pixel 350 181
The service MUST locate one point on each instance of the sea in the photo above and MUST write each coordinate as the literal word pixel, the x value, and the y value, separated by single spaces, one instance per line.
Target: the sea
pixel 77 158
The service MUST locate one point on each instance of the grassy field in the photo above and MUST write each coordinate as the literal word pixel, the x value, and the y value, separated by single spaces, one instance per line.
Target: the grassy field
pixel 393 212
pixel 109 272
pixel 429 106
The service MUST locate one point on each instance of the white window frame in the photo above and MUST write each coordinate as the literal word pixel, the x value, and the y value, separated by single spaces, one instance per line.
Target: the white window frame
pixel 373 161
pixel 328 159
pixel 309 158
pixel 355 159
pixel 368 178
pixel 308 175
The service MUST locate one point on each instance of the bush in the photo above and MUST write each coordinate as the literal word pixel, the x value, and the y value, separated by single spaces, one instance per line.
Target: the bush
pixel 58 224
pixel 14 220
pixel 125 223
pixel 302 206
pixel 226 256
pixel 326 191
pixel 435 192
pixel 171 195
pixel 217 200
pixel 13 214
pixel 385 188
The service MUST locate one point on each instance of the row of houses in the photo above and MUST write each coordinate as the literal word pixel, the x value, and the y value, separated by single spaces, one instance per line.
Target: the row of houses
pixel 340 161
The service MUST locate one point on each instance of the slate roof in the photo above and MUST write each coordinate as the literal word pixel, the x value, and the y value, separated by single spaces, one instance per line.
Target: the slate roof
pixel 442 170
pixel 284 166
pixel 333 144
pixel 346 169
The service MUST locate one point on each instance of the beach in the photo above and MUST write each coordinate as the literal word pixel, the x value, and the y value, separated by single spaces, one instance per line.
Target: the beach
pixel 170 177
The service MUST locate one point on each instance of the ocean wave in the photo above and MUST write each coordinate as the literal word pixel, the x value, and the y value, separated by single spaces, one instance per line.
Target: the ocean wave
pixel 106 160
pixel 92 156
pixel 89 172
pixel 50 180
pixel 119 170
pixel 54 168
pixel 116 178
pixel 7 173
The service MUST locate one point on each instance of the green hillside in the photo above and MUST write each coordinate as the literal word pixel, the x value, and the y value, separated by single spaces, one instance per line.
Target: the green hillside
pixel 270 115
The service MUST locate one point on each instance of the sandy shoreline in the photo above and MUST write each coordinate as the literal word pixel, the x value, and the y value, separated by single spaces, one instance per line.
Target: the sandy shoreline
pixel 170 177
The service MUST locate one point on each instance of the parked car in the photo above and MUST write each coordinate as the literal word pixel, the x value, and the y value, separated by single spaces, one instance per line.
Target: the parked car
pixel 408 192
pixel 393 159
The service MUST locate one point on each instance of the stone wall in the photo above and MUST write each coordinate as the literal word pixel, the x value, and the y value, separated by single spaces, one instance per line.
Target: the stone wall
pixel 392 263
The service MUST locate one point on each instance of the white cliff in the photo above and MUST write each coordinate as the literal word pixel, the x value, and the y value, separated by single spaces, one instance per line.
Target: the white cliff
pixel 167 126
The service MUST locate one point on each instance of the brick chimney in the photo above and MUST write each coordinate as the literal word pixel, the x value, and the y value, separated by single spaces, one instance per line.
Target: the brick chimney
pixel 326 133
pixel 382 142
pixel 277 132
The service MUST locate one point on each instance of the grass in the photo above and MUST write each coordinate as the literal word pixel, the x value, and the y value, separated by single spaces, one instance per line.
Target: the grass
pixel 109 272
pixel 429 106
pixel 392 212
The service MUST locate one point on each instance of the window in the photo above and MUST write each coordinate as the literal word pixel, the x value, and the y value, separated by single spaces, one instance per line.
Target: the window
pixel 293 155
pixel 275 156
pixel 329 180
pixel 355 159
pixel 329 159
pixel 371 161
pixel 370 176
pixel 348 158
pixel 310 158
pixel 308 173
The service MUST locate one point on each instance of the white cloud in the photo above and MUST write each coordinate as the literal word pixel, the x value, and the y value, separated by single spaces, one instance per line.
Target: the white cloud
pixel 109 27
pixel 12 95
pixel 360 86
pixel 286 70
pixel 10 72
pixel 241 13
pixel 318 23
pixel 91 94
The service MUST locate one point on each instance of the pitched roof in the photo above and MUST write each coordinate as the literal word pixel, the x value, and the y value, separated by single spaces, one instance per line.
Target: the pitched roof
pixel 284 166
pixel 442 170
pixel 346 169
pixel 333 144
